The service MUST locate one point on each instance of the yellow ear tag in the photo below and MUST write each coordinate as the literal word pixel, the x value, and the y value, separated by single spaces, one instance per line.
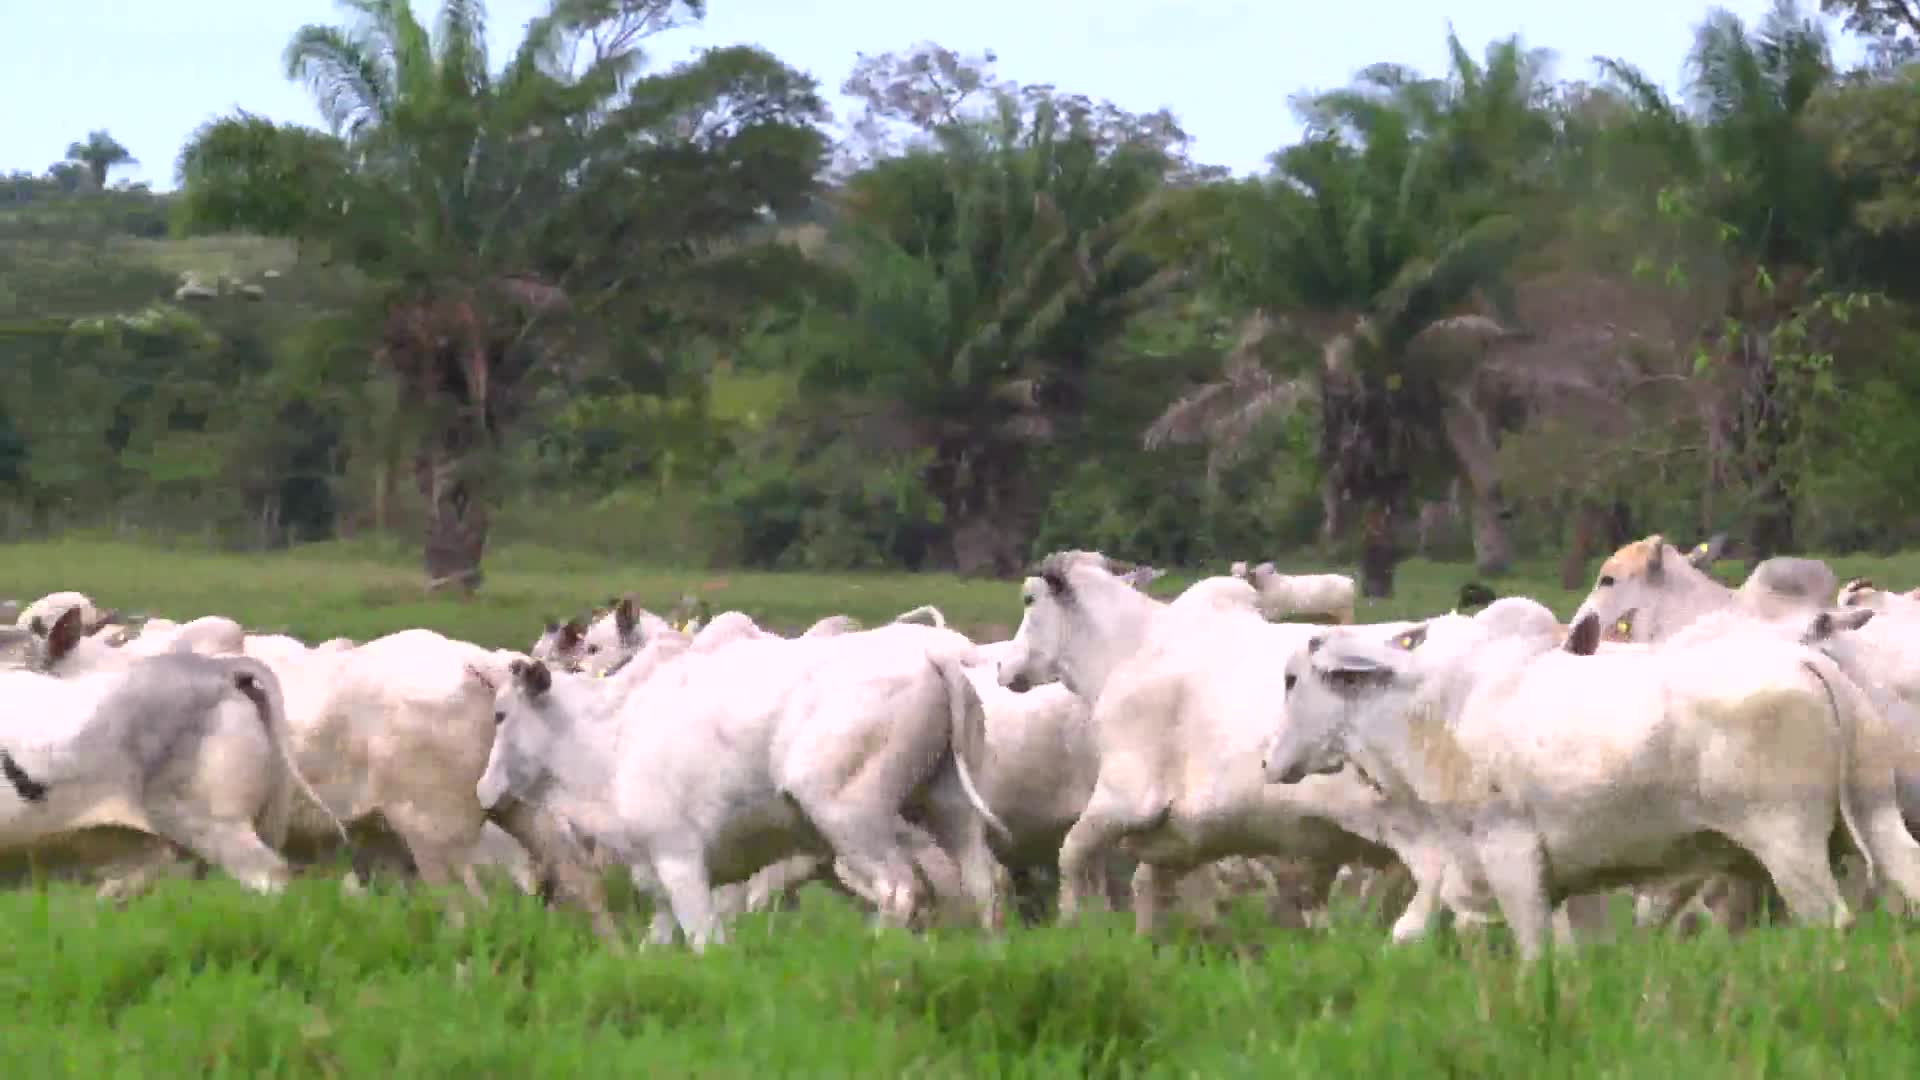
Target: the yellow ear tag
pixel 1405 641
pixel 1623 627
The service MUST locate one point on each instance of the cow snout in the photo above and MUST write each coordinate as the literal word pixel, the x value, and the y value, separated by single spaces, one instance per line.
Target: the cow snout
pixel 1020 684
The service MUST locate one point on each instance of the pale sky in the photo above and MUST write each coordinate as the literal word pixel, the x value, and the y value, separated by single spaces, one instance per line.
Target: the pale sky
pixel 150 71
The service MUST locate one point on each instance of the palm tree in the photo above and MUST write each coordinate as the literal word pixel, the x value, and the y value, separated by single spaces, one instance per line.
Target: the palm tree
pixel 984 278
pixel 1375 259
pixel 99 154
pixel 495 208
pixel 1763 212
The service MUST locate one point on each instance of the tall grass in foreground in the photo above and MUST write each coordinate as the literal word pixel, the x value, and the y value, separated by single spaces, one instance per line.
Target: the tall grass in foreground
pixel 202 979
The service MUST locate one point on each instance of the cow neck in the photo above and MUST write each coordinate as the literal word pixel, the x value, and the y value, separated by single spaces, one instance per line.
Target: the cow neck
pixel 1099 641
pixel 1687 594
pixel 1418 755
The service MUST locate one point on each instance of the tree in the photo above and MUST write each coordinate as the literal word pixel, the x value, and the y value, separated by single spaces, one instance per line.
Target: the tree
pixel 1893 26
pixel 99 154
pixel 505 215
pixel 1755 230
pixel 1374 260
pixel 984 276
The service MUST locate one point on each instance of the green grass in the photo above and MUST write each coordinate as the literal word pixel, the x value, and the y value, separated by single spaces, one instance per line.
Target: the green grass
pixel 201 979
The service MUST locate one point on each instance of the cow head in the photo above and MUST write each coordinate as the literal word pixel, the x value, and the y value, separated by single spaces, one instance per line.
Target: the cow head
pixel 58 641
pixel 528 720
pixel 1333 674
pixel 1652 576
pixel 561 644
pixel 1071 606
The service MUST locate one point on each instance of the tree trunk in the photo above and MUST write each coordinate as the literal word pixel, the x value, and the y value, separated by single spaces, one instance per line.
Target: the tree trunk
pixel 457 518
pixel 1333 512
pixel 1588 522
pixel 1471 439
pixel 984 545
pixel 382 486
pixel 1378 552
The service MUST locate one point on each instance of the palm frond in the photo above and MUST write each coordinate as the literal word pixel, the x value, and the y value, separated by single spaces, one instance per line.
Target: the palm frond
pixel 1227 412
pixel 349 84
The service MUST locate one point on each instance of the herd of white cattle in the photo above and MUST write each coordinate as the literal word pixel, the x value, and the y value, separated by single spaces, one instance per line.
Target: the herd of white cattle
pixel 1699 745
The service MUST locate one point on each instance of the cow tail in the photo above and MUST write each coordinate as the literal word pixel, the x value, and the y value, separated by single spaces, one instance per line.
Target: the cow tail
pixel 1846 721
pixel 262 687
pixel 967 734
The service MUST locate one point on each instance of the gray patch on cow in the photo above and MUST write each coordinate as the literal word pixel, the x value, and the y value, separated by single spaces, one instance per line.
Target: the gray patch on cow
pixel 1801 579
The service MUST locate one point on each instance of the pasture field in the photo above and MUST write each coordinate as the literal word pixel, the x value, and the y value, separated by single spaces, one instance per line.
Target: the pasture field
pixel 201 979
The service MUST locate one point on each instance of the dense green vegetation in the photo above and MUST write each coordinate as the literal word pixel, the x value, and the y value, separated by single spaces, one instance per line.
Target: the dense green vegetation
pixel 1524 307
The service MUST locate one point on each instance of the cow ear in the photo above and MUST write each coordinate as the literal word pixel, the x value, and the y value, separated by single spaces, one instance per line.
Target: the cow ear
pixel 626 615
pixel 532 675
pixel 1584 638
pixel 1708 552
pixel 1828 623
pixel 66 634
pixel 1656 558
pixel 1411 639
pixel 571 633
pixel 1854 618
pixel 1314 643
pixel 1055 579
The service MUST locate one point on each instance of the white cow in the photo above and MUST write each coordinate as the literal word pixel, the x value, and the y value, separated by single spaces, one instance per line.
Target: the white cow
pixel 1652 592
pixel 50 607
pixel 1550 774
pixel 1181 706
pixel 1329 596
pixel 209 635
pixel 1861 592
pixel 397 731
pixel 732 759
pixel 190 749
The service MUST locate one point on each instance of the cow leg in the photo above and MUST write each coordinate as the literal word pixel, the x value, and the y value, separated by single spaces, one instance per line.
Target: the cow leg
pixel 1439 891
pixel 1794 852
pixel 868 856
pixel 1581 916
pixel 689 889
pixel 1387 889
pixel 440 842
pixel 559 858
pixel 1896 854
pixel 1155 891
pixel 234 848
pixel 776 885
pixel 1659 905
pixel 960 835
pixel 956 897
pixel 1098 830
pixel 129 881
pixel 660 928
pixel 1516 870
